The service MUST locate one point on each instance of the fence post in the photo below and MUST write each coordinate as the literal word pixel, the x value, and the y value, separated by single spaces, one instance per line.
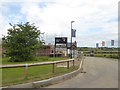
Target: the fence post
pixel 67 64
pixel 53 68
pixel 73 62
pixel 26 71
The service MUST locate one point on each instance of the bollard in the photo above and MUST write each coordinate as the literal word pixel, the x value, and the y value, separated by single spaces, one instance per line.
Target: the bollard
pixel 26 71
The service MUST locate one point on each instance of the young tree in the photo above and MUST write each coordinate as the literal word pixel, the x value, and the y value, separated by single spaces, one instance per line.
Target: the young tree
pixel 22 40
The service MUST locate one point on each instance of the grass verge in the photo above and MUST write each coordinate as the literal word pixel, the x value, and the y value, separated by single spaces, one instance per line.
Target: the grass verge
pixel 13 76
pixel 114 56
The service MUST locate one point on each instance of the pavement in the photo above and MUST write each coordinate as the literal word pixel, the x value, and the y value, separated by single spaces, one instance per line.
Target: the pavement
pixel 98 73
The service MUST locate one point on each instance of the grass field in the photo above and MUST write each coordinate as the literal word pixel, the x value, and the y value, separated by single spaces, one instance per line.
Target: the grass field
pixel 114 56
pixel 12 76
pixel 36 59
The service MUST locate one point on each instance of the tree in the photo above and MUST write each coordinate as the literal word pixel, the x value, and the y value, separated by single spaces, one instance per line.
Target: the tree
pixel 21 42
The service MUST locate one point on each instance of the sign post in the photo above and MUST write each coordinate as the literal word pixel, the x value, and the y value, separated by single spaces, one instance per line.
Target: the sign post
pixel 60 40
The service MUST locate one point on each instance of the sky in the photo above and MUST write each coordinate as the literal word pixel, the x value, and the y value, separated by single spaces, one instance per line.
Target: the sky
pixel 95 20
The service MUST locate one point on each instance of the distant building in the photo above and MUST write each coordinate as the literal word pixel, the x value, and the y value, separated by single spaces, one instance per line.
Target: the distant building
pixel 49 50
pixel 44 51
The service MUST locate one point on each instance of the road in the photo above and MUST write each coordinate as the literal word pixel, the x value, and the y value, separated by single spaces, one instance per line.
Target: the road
pixel 100 73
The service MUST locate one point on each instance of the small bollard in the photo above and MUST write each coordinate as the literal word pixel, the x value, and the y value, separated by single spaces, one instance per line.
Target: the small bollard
pixel 26 71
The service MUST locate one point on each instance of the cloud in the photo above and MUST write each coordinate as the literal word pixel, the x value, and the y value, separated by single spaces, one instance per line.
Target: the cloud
pixel 54 16
pixel 3 21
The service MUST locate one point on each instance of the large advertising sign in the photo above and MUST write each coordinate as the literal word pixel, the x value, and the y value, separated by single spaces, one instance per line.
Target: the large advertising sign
pixel 60 40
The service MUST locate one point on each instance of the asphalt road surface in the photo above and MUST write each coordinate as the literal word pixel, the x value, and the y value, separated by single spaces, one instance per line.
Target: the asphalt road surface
pixel 100 73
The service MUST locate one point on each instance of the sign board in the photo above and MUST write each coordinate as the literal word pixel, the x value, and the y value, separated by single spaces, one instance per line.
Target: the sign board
pixel 112 42
pixel 61 46
pixel 68 45
pixel 60 40
pixel 73 33
pixel 74 45
pixel 103 43
pixel 97 45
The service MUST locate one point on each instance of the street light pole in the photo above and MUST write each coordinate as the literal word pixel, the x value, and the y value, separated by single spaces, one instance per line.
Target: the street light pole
pixel 71 40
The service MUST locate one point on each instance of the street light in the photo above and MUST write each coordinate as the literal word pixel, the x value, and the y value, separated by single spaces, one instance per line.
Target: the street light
pixel 71 40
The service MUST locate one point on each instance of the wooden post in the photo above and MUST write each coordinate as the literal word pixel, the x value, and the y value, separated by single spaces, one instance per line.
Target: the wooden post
pixel 67 64
pixel 53 68
pixel 26 71
pixel 73 62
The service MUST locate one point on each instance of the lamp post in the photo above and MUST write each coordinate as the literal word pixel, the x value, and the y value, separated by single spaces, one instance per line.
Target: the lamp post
pixel 71 40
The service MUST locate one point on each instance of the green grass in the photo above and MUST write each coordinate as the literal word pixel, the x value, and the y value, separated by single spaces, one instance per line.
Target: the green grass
pixel 36 59
pixel 12 76
pixel 114 56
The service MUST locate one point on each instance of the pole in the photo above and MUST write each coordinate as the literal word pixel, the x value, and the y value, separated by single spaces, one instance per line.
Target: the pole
pixel 55 50
pixel 71 40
